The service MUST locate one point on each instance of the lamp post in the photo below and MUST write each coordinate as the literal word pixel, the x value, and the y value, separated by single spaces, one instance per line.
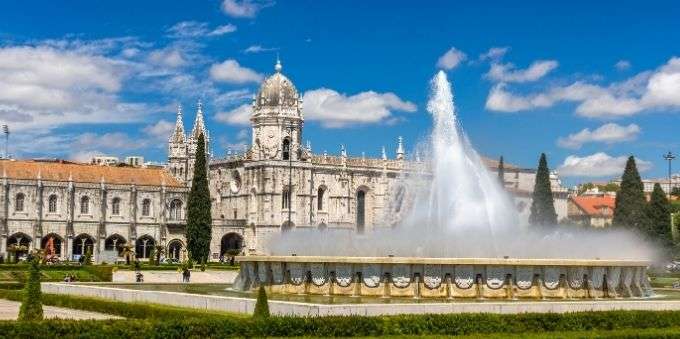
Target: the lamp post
pixel 669 157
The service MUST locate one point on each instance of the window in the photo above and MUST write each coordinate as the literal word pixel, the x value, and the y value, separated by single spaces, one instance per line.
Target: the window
pixel 52 204
pixel 85 205
pixel 285 198
pixel 115 206
pixel 286 149
pixel 146 207
pixel 176 210
pixel 319 197
pixel 19 203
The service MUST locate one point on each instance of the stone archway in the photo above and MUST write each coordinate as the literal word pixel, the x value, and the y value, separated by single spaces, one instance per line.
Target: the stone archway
pixel 52 243
pixel 82 243
pixel 175 247
pixel 231 244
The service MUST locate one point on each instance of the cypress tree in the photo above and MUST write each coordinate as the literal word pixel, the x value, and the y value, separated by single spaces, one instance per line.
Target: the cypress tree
pixel 199 219
pixel 31 307
pixel 629 211
pixel 501 172
pixel 261 305
pixel 659 215
pixel 542 205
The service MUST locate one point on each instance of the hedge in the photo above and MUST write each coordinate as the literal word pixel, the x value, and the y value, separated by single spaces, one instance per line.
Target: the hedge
pixel 280 327
pixel 127 310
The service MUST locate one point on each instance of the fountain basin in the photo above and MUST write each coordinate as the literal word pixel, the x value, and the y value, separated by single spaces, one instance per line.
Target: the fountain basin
pixel 445 277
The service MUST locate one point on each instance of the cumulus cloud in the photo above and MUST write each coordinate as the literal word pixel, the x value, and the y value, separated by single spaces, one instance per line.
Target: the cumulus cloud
pixel 258 49
pixel 169 57
pixel 237 116
pixel 509 73
pixel 230 71
pixel 334 110
pixel 494 53
pixel 451 59
pixel 46 87
pixel 244 8
pixel 608 133
pixel 651 90
pixel 161 130
pixel 622 65
pixel 598 165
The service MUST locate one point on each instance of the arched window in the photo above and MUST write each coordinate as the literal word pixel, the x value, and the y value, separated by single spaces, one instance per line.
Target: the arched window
pixel 286 149
pixel 319 197
pixel 361 211
pixel 115 206
pixel 146 207
pixel 85 205
pixel 114 242
pixel 231 244
pixel 19 203
pixel 83 243
pixel 143 246
pixel 175 249
pixel 285 198
pixel 52 204
pixel 176 210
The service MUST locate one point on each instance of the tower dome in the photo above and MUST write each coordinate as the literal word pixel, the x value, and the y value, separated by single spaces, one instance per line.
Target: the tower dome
pixel 277 90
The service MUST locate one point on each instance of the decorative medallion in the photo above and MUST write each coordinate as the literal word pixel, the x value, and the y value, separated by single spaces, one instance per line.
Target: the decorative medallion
pixel 551 277
pixel 432 276
pixel 401 275
pixel 464 276
pixel 575 276
pixel 297 273
pixel 524 277
pixel 318 273
pixel 371 275
pixel 495 277
pixel 343 274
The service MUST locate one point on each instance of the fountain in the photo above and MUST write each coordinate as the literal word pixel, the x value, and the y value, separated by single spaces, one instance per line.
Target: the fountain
pixel 460 238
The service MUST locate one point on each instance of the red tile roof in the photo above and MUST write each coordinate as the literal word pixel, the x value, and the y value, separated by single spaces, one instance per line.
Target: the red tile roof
pixel 62 171
pixel 592 205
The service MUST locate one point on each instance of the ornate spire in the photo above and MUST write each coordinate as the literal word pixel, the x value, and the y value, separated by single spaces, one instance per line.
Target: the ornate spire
pixel 178 134
pixel 384 154
pixel 343 152
pixel 199 124
pixel 278 67
pixel 400 148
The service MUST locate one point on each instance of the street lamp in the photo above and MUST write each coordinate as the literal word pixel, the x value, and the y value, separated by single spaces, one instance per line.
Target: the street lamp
pixel 669 157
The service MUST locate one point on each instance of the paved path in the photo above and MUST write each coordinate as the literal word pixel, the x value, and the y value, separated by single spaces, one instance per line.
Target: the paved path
pixel 9 310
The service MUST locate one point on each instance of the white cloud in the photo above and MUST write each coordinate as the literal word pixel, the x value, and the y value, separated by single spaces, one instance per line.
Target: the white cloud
pixel 598 165
pixel 451 59
pixel 161 130
pixel 334 110
pixel 231 97
pixel 258 49
pixel 656 90
pixel 622 65
pixel 45 87
pixel 244 8
pixel 195 29
pixel 607 133
pixel 237 116
pixel 509 73
pixel 494 53
pixel 230 71
pixel 169 57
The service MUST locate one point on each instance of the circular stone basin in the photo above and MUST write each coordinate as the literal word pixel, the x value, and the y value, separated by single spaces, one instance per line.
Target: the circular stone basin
pixel 445 277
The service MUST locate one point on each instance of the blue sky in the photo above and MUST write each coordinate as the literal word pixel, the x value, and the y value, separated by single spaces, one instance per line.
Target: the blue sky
pixel 586 82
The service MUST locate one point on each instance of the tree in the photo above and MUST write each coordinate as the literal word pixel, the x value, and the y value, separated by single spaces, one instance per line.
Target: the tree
pixel 659 216
pixel 31 307
pixel 261 305
pixel 88 256
pixel 676 191
pixel 542 205
pixel 501 172
pixel 629 211
pixel 199 218
pixel 127 252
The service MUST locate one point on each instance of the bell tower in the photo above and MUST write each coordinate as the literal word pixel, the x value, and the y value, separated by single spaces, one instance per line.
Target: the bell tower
pixel 277 119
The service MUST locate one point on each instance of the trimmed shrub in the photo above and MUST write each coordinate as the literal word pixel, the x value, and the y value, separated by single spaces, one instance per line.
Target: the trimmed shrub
pixel 262 305
pixel 31 307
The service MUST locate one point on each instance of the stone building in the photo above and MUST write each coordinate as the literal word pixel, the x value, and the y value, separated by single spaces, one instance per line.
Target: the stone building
pixel 81 206
pixel 280 185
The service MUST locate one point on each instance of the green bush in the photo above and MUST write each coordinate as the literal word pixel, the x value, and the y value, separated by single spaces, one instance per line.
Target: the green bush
pixel 262 305
pixel 31 307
